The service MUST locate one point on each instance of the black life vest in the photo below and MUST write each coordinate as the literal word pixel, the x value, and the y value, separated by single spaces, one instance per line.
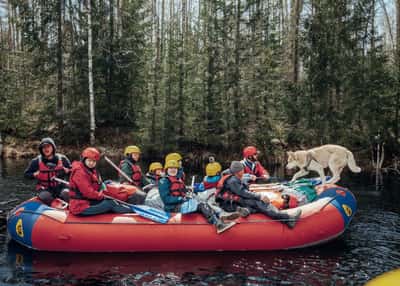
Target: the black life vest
pixel 224 193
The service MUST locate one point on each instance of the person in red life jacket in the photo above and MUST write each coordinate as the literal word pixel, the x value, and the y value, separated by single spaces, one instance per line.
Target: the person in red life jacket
pixel 231 192
pixel 252 166
pixel 46 166
pixel 86 188
pixel 129 165
pixel 177 157
pixel 156 171
pixel 174 193
pixel 206 192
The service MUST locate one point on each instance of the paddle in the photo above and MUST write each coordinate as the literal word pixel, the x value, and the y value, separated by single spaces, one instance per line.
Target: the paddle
pixel 145 211
pixel 191 204
pixel 118 169
pixel 151 213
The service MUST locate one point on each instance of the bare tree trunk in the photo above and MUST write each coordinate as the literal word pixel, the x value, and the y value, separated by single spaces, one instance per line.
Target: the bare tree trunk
pixel 90 75
pixel 181 99
pixel 156 73
pixel 387 20
pixel 10 27
pixel 296 7
pixel 398 67
pixel 60 67
pixel 110 59
pixel 373 26
pixel 236 92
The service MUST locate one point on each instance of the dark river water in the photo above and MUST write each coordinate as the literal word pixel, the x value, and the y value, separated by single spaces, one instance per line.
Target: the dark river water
pixel 369 247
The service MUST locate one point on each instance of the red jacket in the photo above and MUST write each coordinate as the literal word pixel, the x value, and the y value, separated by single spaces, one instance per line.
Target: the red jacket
pixel 84 187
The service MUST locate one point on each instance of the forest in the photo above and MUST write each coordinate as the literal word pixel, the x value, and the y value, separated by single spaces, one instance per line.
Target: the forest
pixel 209 75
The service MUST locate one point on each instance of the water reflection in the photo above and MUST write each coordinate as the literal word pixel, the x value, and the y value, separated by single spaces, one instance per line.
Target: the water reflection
pixel 311 267
pixel 368 248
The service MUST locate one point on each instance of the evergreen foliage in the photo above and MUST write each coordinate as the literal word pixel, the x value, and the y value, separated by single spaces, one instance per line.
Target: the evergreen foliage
pixel 214 74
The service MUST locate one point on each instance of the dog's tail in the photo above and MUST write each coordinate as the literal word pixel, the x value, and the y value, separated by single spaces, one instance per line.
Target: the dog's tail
pixel 352 163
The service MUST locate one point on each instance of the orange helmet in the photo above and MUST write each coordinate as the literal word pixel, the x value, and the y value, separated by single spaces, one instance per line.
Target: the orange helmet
pixel 250 151
pixel 91 153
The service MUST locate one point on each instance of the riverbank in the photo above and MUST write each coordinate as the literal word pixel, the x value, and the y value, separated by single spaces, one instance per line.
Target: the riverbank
pixel 14 148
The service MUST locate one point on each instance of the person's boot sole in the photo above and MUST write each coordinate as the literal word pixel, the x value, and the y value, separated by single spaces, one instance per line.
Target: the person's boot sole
pixel 292 222
pixel 226 227
pixel 226 217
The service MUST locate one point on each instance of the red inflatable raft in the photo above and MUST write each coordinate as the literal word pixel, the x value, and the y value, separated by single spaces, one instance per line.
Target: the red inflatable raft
pixel 41 227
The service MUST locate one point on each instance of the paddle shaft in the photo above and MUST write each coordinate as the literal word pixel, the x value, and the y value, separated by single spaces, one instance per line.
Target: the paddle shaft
pixel 60 181
pixel 118 169
pixel 108 197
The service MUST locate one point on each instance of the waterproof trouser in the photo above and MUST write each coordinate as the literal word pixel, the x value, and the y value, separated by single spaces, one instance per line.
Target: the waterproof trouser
pixel 47 196
pixel 207 212
pixel 264 208
pixel 106 206
pixel 137 198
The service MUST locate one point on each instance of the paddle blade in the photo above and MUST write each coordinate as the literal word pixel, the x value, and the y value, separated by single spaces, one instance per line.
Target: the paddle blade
pixel 189 206
pixel 151 213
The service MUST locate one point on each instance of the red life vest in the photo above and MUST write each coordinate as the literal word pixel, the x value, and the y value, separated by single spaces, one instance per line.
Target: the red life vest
pixel 177 187
pixel 209 185
pixel 255 169
pixel 46 174
pixel 136 173
pixel 223 193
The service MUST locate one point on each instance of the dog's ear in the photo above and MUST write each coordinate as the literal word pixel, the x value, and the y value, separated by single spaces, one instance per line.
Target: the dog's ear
pixel 289 153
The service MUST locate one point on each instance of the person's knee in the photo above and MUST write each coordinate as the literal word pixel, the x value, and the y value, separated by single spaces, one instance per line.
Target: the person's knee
pixel 46 197
pixel 137 198
pixel 64 195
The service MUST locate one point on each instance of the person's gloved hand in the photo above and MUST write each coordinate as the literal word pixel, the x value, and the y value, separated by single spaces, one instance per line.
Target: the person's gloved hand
pixel 148 187
pixel 199 187
pixel 102 187
pixel 246 178
pixel 189 195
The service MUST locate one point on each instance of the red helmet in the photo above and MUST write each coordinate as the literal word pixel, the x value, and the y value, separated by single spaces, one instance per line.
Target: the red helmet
pixel 91 153
pixel 249 151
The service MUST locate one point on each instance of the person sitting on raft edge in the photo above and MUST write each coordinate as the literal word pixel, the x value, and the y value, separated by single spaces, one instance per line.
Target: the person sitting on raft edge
pixel 156 171
pixel 231 193
pixel 86 188
pixel 178 158
pixel 174 193
pixel 252 166
pixel 130 167
pixel 47 165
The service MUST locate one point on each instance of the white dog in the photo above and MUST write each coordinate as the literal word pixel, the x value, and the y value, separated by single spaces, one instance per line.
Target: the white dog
pixel 333 156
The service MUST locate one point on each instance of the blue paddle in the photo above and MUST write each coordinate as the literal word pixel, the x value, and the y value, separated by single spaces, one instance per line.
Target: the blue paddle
pixel 151 213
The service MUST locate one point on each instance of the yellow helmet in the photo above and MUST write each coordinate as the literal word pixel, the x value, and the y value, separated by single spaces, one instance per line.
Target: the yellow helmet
pixel 171 164
pixel 131 149
pixel 155 166
pixel 173 156
pixel 213 168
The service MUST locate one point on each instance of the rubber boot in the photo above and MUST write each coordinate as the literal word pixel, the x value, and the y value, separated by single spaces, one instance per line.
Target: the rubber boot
pixel 227 216
pixel 243 212
pixel 271 211
pixel 212 218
